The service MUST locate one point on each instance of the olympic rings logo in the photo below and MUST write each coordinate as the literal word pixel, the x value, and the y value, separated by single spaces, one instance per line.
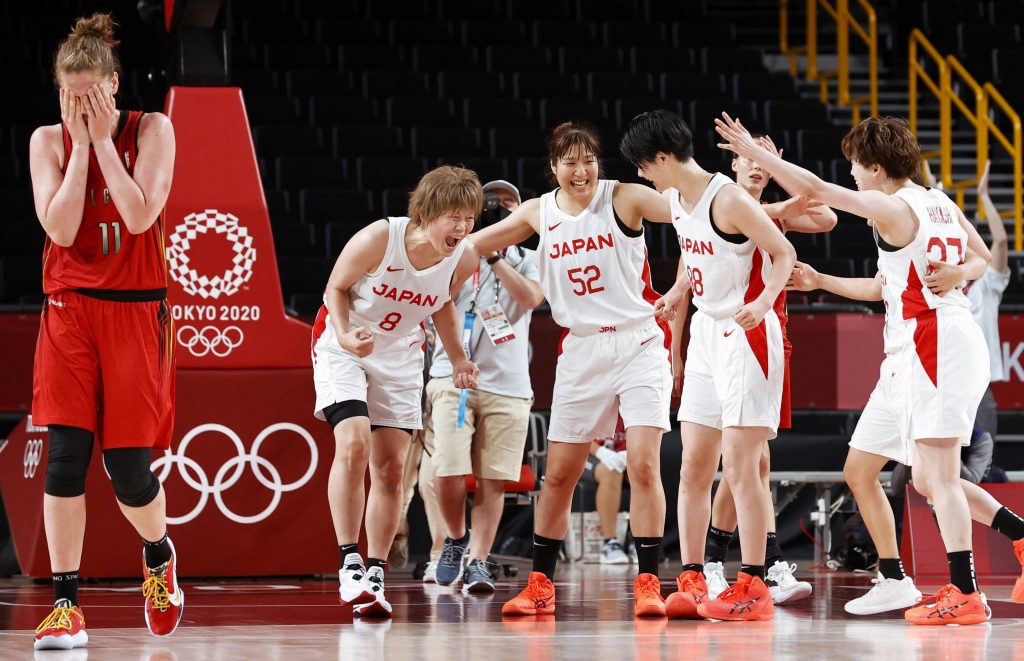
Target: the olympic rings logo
pixel 231 279
pixel 229 474
pixel 33 457
pixel 210 340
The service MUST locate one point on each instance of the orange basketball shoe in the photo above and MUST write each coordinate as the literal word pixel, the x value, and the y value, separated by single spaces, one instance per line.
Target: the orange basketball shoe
pixel 748 599
pixel 647 599
pixel 537 598
pixel 63 628
pixel 1017 596
pixel 951 607
pixel 692 591
pixel 165 602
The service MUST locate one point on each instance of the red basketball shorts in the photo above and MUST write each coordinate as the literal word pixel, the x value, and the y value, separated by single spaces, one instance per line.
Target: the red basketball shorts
pixel 106 366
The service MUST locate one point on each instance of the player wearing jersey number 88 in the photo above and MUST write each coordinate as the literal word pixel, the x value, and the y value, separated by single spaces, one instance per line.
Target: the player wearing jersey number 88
pixel 733 383
pixel 613 358
pixel 367 353
pixel 923 407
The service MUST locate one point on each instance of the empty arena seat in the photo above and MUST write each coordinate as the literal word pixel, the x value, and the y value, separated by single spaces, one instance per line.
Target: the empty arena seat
pixel 256 81
pixel 292 239
pixel 279 206
pixel 376 173
pixel 719 58
pixel 463 84
pixel 481 33
pixel 627 109
pixel 320 206
pixel 511 58
pixel 327 109
pixel 805 114
pixel 353 141
pixel 689 85
pixel 412 31
pixel 629 33
pixel 337 31
pixel 338 233
pixel 611 84
pixel 291 56
pixel 311 171
pixel 819 143
pixel 535 9
pixel 305 274
pixel 435 141
pixel 288 140
pixel 550 33
pixel 487 169
pixel 431 58
pixel 271 109
pixel 307 82
pixel 278 30
pixel 650 59
pixel 20 275
pixel 532 173
pixel 747 85
pixel 702 33
pixel 554 111
pixel 405 111
pixel 607 10
pixel 395 201
pixel 372 57
pixel 378 84
pixel 513 142
pixel 539 84
pixel 580 59
pixel 333 9
pixel 496 112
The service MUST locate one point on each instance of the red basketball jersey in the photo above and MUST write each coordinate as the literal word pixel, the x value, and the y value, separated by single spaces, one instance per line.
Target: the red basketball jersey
pixel 104 254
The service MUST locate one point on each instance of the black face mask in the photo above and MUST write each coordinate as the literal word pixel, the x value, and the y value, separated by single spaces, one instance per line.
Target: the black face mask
pixel 491 216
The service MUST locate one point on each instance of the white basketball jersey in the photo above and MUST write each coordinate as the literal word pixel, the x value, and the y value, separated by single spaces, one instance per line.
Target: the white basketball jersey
pixel 593 275
pixel 395 299
pixel 724 276
pixel 940 238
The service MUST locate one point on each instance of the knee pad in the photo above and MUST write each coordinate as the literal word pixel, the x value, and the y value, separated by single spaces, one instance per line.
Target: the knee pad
pixel 135 485
pixel 67 461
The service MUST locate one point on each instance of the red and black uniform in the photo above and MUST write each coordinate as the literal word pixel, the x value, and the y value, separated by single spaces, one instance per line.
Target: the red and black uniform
pixel 782 311
pixel 104 358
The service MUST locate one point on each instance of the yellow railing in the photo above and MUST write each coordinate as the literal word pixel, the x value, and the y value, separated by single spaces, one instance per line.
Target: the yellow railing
pixel 845 21
pixel 978 116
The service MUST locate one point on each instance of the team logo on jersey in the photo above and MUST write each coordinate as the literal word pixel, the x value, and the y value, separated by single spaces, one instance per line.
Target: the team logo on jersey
pixel 226 282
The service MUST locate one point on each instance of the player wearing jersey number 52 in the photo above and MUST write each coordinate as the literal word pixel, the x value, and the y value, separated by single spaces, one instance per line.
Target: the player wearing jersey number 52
pixel 936 365
pixel 104 368
pixel 367 355
pixel 613 357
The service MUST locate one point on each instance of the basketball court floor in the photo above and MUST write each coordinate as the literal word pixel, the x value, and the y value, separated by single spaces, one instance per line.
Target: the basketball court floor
pixel 301 619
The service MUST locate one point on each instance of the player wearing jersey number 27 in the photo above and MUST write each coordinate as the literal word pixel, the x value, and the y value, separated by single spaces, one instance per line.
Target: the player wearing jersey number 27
pixel 923 408
pixel 734 361
pixel 613 356
pixel 104 368
pixel 367 352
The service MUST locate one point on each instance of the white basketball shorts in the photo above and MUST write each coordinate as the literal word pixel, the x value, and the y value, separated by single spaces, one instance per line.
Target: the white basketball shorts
pixel 929 389
pixel 389 380
pixel 624 370
pixel 733 378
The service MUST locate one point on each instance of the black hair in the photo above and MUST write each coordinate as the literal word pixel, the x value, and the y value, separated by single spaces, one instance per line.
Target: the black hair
pixel 656 131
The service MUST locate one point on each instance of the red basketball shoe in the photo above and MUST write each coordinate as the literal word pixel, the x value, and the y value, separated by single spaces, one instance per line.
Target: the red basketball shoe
pixel 165 602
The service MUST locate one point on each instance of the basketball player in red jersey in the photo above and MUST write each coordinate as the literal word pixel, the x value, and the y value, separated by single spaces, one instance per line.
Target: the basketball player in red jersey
pixel 936 367
pixel 797 214
pixel 733 385
pixel 104 365
pixel 613 356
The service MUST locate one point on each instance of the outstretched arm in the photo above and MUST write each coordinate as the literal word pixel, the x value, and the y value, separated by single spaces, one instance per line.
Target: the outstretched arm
pixel 891 216
pixel 516 228
pixel 798 213
pixel 1000 242
pixel 634 202
pixel 805 278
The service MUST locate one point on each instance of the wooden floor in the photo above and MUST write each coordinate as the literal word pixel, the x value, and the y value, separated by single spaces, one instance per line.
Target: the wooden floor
pixel 298 620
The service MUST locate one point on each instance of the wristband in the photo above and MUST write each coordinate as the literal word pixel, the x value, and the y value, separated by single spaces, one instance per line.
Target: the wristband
pixel 491 261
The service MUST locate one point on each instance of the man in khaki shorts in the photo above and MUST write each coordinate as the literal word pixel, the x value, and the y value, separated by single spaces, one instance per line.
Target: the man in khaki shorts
pixel 489 443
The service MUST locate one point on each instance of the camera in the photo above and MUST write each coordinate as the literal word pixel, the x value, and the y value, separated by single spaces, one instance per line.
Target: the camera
pixel 491 201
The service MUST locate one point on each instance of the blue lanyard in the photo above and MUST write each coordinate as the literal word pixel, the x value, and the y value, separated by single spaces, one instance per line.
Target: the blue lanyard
pixel 467 336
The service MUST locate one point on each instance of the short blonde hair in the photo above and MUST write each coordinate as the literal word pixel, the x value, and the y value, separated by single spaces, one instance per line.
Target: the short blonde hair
pixel 444 190
pixel 88 47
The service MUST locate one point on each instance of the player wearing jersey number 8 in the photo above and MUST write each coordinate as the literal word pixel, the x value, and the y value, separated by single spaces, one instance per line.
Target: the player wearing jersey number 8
pixel 613 356
pixel 923 407
pixel 367 355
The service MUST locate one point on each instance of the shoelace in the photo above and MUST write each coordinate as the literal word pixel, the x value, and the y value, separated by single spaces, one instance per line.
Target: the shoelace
pixel 688 584
pixel 155 588
pixel 448 553
pixel 649 588
pixel 59 618
pixel 775 574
